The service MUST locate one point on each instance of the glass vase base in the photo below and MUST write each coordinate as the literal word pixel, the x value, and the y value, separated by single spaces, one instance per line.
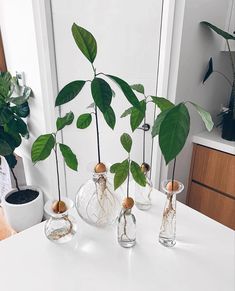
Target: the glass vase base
pixel 166 242
pixel 143 206
pixel 127 243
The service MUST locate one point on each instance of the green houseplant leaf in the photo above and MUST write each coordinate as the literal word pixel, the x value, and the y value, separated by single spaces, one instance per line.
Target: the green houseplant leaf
pixel 84 120
pixel 127 112
pixel 206 117
pixel 22 110
pixel 121 173
pixel 137 174
pixel 114 167
pixel 42 147
pixel 61 122
pixel 101 93
pixel 138 88
pixel 219 31
pixel 5 148
pixel 11 160
pixel 85 42
pixel 127 91
pixel 69 157
pixel 162 103
pixel 137 115
pixel 158 122
pixel 69 92
pixel 126 142
pixel 174 131
pixel 110 117
pixel 17 125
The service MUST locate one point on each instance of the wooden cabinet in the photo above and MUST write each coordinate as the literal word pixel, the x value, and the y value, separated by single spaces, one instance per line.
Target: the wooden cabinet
pixel 212 184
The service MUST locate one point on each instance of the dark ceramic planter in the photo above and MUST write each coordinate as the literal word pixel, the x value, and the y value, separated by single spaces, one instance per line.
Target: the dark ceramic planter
pixel 228 129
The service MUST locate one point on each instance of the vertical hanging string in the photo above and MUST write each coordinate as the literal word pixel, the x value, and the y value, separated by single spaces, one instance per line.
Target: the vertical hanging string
pixel 144 142
pixel 173 174
pixel 57 172
pixel 128 178
pixel 97 134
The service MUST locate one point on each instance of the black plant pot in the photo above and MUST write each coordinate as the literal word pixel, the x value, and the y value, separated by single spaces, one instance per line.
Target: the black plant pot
pixel 228 129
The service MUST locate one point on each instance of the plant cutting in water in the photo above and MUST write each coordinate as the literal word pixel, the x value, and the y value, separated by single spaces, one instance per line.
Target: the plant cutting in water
pixel 228 114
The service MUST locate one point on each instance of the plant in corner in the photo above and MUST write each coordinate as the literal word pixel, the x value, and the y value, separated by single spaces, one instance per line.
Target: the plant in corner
pixel 61 227
pixel 228 114
pixel 126 220
pixel 96 203
pixel 23 206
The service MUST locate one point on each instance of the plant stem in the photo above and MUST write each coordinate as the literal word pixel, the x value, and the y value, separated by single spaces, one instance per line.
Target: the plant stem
pixel 97 134
pixel 128 178
pixel 233 69
pixel 16 181
pixel 173 174
pixel 57 172
pixel 144 141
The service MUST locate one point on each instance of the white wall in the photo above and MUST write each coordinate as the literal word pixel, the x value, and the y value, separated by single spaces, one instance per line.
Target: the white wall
pixel 193 45
pixel 19 39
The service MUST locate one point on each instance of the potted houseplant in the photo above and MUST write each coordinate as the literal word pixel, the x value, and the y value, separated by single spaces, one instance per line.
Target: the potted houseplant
pixel 228 113
pixel 61 227
pixel 23 206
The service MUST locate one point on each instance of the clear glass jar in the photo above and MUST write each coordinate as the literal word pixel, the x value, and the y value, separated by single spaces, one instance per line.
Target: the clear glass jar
pixel 126 228
pixel 167 236
pixel 60 227
pixel 142 194
pixel 96 201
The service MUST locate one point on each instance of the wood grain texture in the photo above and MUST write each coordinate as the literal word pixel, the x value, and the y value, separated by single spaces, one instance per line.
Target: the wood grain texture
pixel 213 204
pixel 3 67
pixel 214 169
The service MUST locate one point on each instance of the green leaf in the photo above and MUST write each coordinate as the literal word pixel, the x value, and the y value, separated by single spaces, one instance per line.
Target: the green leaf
pixel 127 91
pixel 113 93
pixel 219 31
pixel 42 147
pixel 85 42
pixel 101 93
pixel 127 112
pixel 16 126
pixel 61 122
pixel 84 120
pixel 138 88
pixel 126 141
pixel 114 167
pixel 209 71
pixel 137 174
pixel 110 117
pixel 11 140
pixel 5 148
pixel 174 131
pixel 5 115
pixel 22 110
pixel 11 160
pixel 162 103
pixel 158 122
pixel 121 174
pixel 69 157
pixel 137 116
pixel 206 117
pixel 69 92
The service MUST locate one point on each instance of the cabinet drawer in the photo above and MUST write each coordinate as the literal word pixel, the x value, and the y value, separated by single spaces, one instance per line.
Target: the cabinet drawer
pixel 215 205
pixel 214 169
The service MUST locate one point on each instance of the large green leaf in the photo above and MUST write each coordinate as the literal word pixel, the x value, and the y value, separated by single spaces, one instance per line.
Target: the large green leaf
pixel 162 103
pixel 69 92
pixel 158 122
pixel 84 120
pixel 137 115
pixel 69 157
pixel 206 117
pixel 5 148
pixel 11 160
pixel 110 117
pixel 85 42
pixel 126 141
pixel 121 173
pixel 114 167
pixel 101 93
pixel 5 115
pixel 13 140
pixel 219 31
pixel 126 112
pixel 22 110
pixel 42 147
pixel 127 91
pixel 16 126
pixel 174 131
pixel 5 84
pixel 61 122
pixel 137 174
pixel 138 88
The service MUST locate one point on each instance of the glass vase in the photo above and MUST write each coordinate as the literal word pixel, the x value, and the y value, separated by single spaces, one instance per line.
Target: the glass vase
pixel 96 201
pixel 60 227
pixel 142 194
pixel 167 236
pixel 126 228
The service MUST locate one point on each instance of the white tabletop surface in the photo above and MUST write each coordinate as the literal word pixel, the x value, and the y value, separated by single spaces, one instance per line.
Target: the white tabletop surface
pixel 202 259
pixel 214 140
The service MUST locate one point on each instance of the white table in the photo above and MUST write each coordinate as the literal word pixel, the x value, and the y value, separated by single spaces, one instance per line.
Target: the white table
pixel 202 260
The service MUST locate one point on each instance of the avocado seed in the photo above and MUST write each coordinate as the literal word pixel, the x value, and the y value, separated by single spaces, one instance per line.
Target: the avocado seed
pixel 59 206
pixel 171 187
pixel 128 203
pixel 145 168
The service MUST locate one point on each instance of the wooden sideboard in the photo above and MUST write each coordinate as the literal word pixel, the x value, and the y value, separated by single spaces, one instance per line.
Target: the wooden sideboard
pixel 211 187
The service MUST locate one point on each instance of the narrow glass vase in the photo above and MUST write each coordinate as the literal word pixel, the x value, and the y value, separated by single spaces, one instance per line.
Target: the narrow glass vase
pixel 60 227
pixel 126 228
pixel 167 236
pixel 142 194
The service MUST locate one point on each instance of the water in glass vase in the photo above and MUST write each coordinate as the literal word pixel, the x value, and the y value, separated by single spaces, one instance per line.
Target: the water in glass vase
pixel 126 228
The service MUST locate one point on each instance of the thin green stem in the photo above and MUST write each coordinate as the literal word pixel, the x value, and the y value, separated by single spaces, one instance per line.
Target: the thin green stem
pixel 128 178
pixel 16 181
pixel 97 134
pixel 57 171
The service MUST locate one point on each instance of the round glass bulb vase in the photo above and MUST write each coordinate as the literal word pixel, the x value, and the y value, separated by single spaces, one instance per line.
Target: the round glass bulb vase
pixel 126 228
pixel 168 228
pixel 96 201
pixel 142 194
pixel 60 227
